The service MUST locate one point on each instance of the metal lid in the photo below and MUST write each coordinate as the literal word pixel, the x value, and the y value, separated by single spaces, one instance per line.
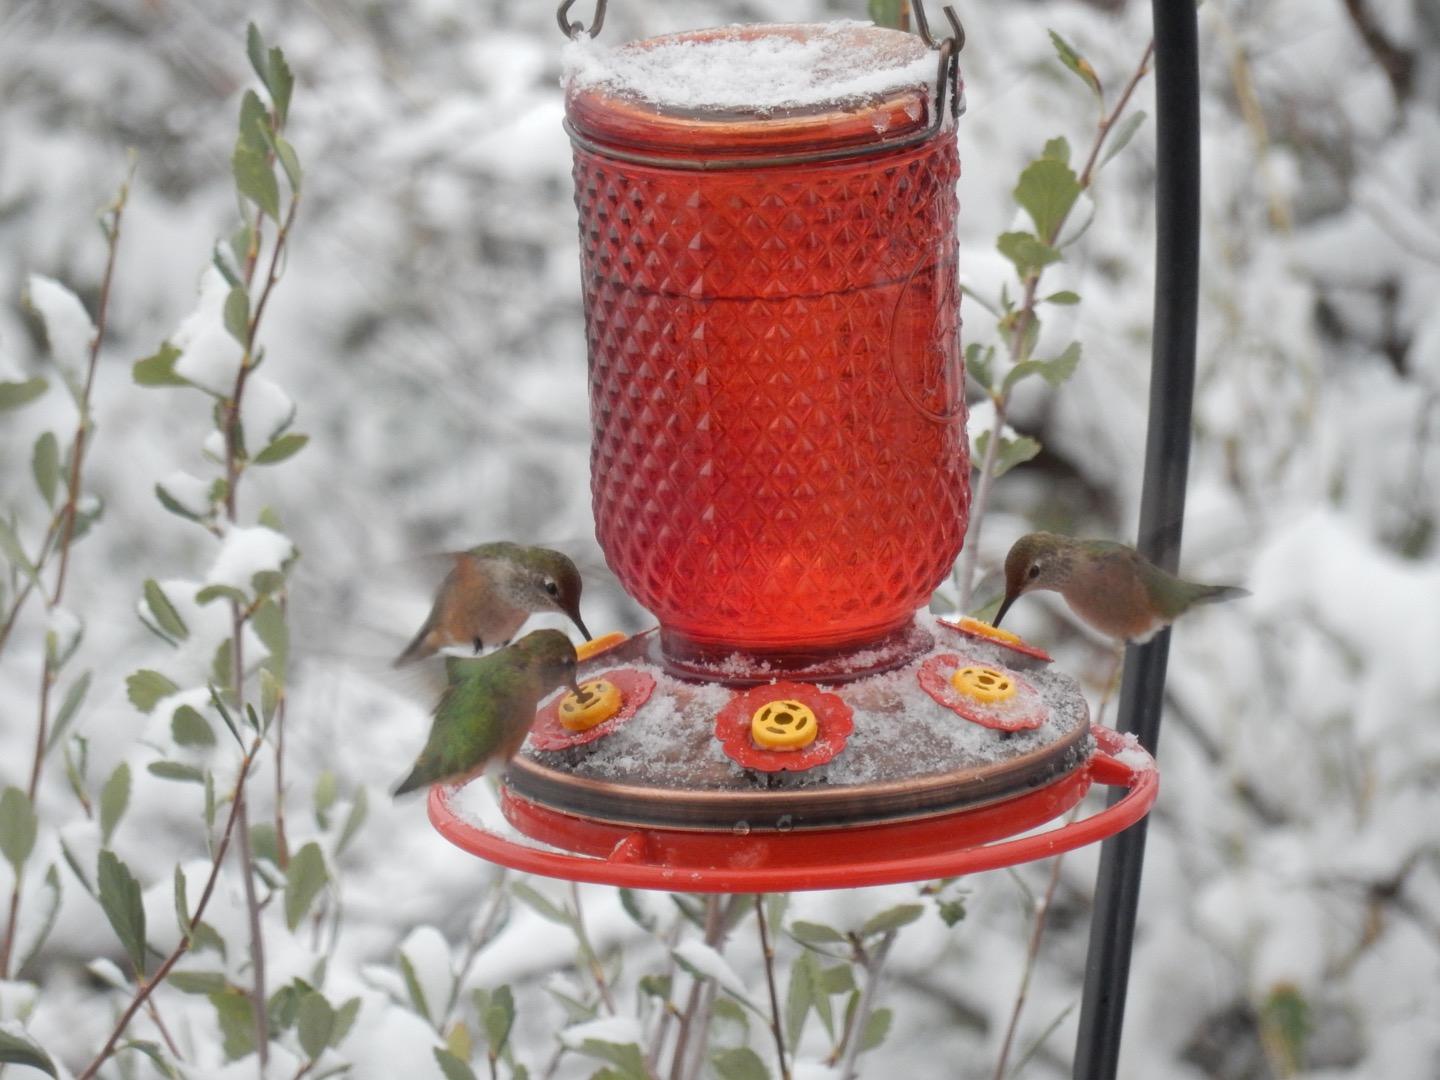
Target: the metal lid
pixel 739 95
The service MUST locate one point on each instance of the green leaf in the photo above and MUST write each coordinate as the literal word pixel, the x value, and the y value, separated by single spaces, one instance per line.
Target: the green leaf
pixel 286 446
pixel 146 688
pixel 740 1063
pixel 255 49
pixel 17 1048
pixel 452 1066
pixel 541 904
pixel 71 702
pixel 809 933
pixel 274 633
pixel 154 1053
pixel 188 727
pixel 659 986
pixel 358 811
pixel 838 979
pixel 1064 296
pixel 237 314
pixel 163 612
pixel 304 879
pixel 980 363
pixel 198 982
pixel 1057 148
pixel 289 162
pixel 315 1024
pixel 205 937
pixel 799 996
pixel 876 1028
pixel 18 828
pixel 1012 452
pixel 175 770
pixel 344 1020
pixel 326 792
pixel 1047 190
pixel 890 13
pixel 1054 372
pixel 413 988
pixel 210 593
pixel 255 178
pixel 951 911
pixel 1077 63
pixel 15 394
pixel 159 370
pixel 624 1056
pixel 182 905
pixel 14 553
pixel 45 464
pixel 236 1017
pixel 114 798
pixel 254 131
pixel 281 83
pixel 498 1018
pixel 891 919
pixel 119 896
pixel 630 902
pixel 169 503
pixel 1120 137
pixel 51 888
pixel 1026 251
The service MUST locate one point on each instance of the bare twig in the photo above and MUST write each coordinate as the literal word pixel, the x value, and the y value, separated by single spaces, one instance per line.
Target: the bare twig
pixel 1020 330
pixel 874 963
pixel 146 987
pixel 769 957
pixel 1032 953
pixel 592 960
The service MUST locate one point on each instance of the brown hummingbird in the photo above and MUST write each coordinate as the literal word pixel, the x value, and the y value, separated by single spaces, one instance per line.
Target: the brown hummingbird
pixel 1110 586
pixel 487 708
pixel 489 593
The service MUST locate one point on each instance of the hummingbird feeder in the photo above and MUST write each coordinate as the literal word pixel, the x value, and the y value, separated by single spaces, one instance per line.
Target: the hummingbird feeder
pixel 780 474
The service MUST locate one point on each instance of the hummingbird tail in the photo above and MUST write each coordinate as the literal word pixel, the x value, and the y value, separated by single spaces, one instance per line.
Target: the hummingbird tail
pixel 418 649
pixel 1214 594
pixel 411 783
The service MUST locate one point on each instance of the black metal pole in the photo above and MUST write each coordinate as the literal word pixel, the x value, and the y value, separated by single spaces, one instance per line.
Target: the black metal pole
pixel 1162 507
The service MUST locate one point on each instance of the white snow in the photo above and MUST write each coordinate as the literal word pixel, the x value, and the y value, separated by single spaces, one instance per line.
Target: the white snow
pixel 67 323
pixel 209 355
pixel 266 411
pixel 188 491
pixel 836 63
pixel 246 551
pixel 619 1030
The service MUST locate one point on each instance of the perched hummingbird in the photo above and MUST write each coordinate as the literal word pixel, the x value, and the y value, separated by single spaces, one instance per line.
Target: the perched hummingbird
pixel 489 593
pixel 486 711
pixel 1110 586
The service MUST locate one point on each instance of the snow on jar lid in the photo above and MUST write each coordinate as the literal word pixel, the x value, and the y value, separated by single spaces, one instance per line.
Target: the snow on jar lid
pixel 782 88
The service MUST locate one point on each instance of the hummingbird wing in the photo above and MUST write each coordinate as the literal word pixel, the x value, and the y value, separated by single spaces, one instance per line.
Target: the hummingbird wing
pixel 468 610
pixel 484 713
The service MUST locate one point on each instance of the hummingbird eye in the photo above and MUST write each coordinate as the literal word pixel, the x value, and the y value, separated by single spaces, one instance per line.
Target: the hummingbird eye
pixel 1034 571
pixel 552 588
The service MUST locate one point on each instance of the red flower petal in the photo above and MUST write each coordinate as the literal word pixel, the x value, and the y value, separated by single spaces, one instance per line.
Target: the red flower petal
pixel 1021 647
pixel 1024 711
pixel 549 734
pixel 732 727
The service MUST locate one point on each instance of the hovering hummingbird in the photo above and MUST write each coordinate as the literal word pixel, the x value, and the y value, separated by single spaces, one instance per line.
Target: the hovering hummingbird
pixel 1110 586
pixel 489 593
pixel 486 711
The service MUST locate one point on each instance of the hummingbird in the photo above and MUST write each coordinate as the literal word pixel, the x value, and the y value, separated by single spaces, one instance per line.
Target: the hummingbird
pixel 487 709
pixel 1110 586
pixel 489 593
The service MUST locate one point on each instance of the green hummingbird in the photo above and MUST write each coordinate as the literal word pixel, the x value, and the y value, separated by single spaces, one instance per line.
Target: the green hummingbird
pixel 1110 586
pixel 489 593
pixel 486 711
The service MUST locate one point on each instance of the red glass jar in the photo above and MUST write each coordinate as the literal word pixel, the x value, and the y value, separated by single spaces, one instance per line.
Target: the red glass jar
pixel 779 462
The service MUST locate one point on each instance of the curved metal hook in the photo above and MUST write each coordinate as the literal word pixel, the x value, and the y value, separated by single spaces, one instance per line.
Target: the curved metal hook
pixel 573 30
pixel 922 26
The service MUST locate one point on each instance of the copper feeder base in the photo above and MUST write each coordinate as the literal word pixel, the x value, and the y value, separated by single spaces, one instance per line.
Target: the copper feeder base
pixel 908 757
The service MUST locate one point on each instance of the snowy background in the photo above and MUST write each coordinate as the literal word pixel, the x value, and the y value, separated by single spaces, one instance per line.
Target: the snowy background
pixel 429 329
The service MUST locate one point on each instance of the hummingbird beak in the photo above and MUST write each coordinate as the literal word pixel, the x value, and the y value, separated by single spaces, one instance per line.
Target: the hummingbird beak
pixel 575 618
pixel 1004 607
